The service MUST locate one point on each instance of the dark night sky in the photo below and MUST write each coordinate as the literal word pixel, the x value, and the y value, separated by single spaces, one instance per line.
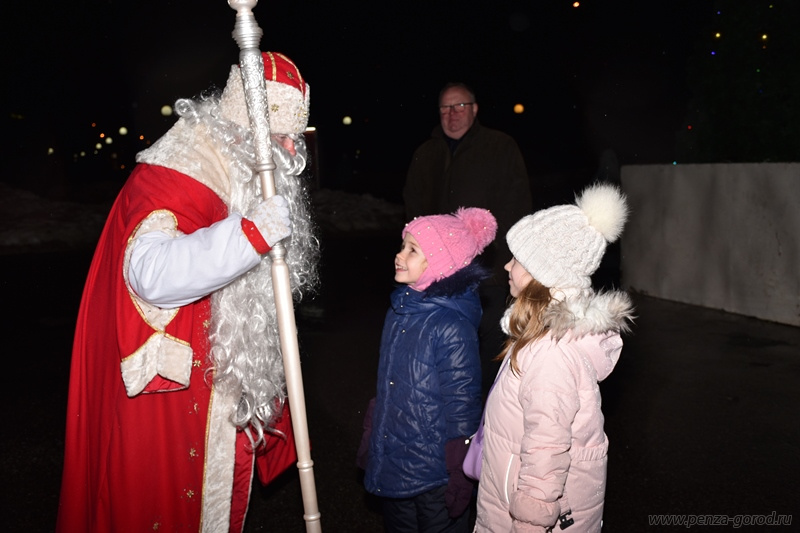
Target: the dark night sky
pixel 609 74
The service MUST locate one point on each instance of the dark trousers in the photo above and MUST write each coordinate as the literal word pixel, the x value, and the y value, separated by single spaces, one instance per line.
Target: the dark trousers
pixel 425 513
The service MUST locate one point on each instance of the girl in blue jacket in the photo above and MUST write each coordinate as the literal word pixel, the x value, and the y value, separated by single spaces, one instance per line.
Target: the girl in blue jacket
pixel 428 398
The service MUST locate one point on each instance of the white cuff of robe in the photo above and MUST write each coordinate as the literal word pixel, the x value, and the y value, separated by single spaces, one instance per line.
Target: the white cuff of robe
pixel 172 272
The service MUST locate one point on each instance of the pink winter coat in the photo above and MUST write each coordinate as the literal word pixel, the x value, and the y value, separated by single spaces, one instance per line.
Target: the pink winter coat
pixel 544 449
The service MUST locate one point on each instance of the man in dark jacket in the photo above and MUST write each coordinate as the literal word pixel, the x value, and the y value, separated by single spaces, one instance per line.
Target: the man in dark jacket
pixel 465 164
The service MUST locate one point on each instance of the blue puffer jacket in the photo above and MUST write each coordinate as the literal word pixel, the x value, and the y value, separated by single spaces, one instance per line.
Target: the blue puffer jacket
pixel 429 384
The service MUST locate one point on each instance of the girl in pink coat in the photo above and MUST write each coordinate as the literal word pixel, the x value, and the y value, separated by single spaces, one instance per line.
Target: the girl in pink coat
pixel 544 448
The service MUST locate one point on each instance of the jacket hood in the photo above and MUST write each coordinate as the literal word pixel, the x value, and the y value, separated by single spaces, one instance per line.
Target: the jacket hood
pixel 457 292
pixel 589 313
pixel 594 321
pixel 468 277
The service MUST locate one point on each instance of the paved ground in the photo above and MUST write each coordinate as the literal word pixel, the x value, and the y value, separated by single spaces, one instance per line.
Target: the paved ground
pixel 702 411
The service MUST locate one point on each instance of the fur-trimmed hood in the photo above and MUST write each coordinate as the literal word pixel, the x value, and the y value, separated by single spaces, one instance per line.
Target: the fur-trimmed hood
pixel 589 313
pixel 468 277
pixel 458 293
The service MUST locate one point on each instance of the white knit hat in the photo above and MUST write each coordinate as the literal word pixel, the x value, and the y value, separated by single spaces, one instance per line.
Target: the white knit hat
pixel 562 246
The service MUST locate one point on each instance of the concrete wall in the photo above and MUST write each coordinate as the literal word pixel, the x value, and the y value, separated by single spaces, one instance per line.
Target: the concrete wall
pixel 725 236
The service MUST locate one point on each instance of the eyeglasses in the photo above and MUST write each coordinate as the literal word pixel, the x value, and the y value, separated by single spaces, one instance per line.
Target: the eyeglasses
pixel 457 108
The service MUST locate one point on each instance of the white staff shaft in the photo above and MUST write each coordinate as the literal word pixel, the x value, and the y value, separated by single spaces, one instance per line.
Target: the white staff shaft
pixel 248 36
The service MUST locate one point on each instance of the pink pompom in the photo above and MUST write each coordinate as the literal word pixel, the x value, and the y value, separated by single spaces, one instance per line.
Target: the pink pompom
pixel 480 223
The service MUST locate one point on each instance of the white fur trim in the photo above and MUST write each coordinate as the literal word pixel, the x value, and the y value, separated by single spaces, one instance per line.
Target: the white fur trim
pixel 188 149
pixel 589 313
pixel 219 467
pixel 161 354
pixel 583 313
pixel 288 107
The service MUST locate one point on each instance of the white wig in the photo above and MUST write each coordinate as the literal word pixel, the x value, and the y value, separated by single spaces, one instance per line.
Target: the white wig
pixel 245 345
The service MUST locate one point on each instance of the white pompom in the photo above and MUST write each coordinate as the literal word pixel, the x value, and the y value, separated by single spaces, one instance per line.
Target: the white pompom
pixel 605 207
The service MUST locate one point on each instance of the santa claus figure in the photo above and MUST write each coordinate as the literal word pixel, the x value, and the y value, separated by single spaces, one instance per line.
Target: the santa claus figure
pixel 177 387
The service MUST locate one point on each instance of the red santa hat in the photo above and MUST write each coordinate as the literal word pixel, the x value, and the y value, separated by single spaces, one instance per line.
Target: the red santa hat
pixel 288 96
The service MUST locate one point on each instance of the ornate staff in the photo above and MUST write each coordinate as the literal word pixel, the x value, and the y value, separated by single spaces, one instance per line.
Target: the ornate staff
pixel 247 35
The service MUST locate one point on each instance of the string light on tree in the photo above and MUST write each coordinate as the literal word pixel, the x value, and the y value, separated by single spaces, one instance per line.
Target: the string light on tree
pixel 742 83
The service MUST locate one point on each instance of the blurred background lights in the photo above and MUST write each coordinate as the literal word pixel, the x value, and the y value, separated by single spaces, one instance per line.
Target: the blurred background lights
pixel 109 140
pixel 576 4
pixel 166 111
pixel 123 130
pixel 347 121
pixel 98 146
pixel 519 109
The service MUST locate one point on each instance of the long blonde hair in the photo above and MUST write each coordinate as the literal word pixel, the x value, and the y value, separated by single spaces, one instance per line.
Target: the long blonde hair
pixel 525 321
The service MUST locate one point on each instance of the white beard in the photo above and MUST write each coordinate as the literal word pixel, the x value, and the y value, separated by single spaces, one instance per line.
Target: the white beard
pixel 245 346
pixel 245 341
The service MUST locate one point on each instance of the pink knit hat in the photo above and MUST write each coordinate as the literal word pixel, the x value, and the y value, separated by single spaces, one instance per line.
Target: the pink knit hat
pixel 451 242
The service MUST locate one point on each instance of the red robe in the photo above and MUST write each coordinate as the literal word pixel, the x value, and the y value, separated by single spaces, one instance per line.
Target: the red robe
pixel 138 416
